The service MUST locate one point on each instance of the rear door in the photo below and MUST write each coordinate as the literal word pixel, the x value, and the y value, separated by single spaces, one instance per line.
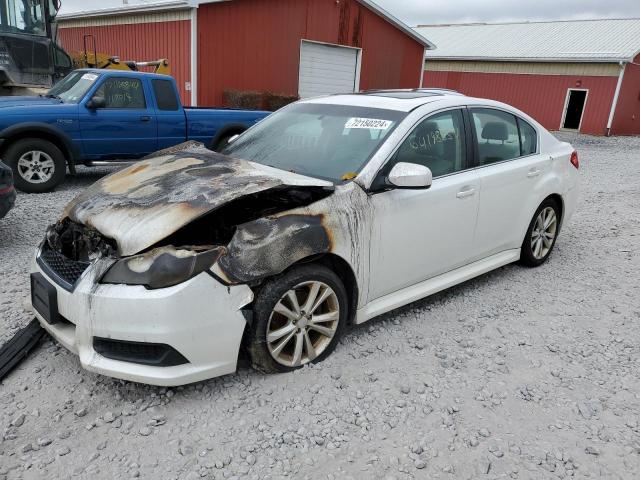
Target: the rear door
pixel 511 170
pixel 126 127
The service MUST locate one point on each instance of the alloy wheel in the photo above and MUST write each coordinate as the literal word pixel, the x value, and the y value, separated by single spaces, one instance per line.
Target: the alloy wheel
pixel 544 233
pixel 36 166
pixel 303 323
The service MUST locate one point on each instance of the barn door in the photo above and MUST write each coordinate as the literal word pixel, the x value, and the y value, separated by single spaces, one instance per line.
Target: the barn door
pixel 327 69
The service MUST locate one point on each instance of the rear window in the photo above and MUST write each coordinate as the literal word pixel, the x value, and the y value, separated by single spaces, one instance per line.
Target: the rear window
pixel 165 95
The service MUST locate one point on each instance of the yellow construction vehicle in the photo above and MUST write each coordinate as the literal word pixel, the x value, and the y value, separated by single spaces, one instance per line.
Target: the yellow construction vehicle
pixel 93 59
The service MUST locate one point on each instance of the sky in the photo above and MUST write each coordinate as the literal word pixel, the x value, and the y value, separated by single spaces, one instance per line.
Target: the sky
pixel 418 12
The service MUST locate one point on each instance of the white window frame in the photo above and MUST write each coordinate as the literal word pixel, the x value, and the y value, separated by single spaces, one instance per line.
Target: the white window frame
pixel 566 105
pixel 356 82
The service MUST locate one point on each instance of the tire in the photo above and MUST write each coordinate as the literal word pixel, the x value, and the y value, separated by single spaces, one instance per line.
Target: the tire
pixel 264 354
pixel 538 244
pixel 38 165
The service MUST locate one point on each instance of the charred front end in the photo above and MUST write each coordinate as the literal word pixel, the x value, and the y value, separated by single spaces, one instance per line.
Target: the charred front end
pixel 174 216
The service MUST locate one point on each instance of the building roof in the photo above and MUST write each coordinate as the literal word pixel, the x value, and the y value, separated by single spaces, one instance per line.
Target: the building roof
pixel 184 4
pixel 610 40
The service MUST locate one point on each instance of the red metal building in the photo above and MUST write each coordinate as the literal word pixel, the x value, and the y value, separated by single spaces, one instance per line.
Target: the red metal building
pixel 570 75
pixel 290 47
pixel 135 34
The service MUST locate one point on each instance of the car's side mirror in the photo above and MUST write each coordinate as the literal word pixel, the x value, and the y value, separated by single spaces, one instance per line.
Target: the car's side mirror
pixel 410 175
pixel 96 102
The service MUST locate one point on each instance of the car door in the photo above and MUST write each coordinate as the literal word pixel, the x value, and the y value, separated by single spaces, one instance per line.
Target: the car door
pixel 125 125
pixel 421 233
pixel 511 169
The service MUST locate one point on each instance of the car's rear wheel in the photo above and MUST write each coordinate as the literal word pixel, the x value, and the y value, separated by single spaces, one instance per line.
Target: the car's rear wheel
pixel 541 234
pixel 38 165
pixel 298 318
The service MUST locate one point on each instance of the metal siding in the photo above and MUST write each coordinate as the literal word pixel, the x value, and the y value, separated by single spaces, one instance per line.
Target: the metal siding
pixel 255 45
pixel 627 117
pixel 131 18
pixel 537 68
pixel 141 42
pixel 540 96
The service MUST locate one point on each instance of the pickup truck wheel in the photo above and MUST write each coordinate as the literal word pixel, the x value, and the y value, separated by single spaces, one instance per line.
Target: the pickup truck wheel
pixel 38 165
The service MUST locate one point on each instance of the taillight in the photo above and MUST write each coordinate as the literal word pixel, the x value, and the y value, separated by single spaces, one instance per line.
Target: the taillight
pixel 574 159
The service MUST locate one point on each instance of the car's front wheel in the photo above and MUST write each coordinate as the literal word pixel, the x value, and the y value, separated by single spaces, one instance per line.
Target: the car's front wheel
pixel 541 235
pixel 298 319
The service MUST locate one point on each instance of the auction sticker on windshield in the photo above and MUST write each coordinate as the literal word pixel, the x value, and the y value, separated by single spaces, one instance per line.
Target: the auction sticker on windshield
pixel 368 123
pixel 89 76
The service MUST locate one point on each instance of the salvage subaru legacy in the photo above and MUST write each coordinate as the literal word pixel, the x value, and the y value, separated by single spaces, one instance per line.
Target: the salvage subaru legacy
pixel 327 213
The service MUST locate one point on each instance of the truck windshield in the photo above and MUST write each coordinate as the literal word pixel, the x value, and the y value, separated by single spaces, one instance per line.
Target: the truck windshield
pixel 73 88
pixel 332 142
pixel 22 16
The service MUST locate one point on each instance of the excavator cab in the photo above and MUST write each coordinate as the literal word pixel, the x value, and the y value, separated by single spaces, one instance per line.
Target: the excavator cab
pixel 29 57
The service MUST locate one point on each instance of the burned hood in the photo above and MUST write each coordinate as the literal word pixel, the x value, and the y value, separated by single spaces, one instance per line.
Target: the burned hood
pixel 148 201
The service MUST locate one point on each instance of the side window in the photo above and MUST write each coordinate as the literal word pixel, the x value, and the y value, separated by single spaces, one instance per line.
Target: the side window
pixel 60 58
pixel 528 138
pixel 496 135
pixel 437 143
pixel 165 95
pixel 122 93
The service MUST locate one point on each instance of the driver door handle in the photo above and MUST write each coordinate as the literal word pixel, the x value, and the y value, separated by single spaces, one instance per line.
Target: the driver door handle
pixel 466 192
pixel 145 118
pixel 534 172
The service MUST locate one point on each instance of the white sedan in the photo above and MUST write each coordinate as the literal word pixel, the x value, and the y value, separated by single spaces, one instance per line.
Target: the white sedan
pixel 327 213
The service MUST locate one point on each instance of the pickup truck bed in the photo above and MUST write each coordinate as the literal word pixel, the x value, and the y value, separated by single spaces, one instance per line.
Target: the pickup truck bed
pixel 102 115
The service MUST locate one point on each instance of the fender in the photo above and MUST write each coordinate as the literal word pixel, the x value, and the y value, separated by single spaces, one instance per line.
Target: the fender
pixel 226 130
pixel 70 151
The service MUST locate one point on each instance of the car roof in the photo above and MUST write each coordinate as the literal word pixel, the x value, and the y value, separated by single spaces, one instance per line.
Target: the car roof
pixel 403 100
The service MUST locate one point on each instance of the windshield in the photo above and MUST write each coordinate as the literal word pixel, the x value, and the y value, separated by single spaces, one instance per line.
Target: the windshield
pixel 73 88
pixel 22 16
pixel 332 142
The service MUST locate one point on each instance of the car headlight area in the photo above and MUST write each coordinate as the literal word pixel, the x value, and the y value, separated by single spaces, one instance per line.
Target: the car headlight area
pixel 124 324
pixel 162 267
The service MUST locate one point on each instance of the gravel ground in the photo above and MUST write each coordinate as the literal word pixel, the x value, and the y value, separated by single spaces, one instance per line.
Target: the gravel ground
pixel 529 374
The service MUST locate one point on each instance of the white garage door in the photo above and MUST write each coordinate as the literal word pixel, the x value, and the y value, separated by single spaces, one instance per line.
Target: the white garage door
pixel 326 69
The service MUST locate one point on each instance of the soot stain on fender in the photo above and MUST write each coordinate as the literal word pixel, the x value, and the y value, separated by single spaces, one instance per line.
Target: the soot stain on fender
pixel 340 224
pixel 268 246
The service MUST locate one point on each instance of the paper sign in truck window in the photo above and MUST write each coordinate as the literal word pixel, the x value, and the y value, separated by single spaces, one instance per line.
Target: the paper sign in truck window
pixel 368 123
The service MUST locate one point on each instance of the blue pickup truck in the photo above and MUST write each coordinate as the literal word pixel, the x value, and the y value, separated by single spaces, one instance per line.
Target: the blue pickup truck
pixel 101 115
